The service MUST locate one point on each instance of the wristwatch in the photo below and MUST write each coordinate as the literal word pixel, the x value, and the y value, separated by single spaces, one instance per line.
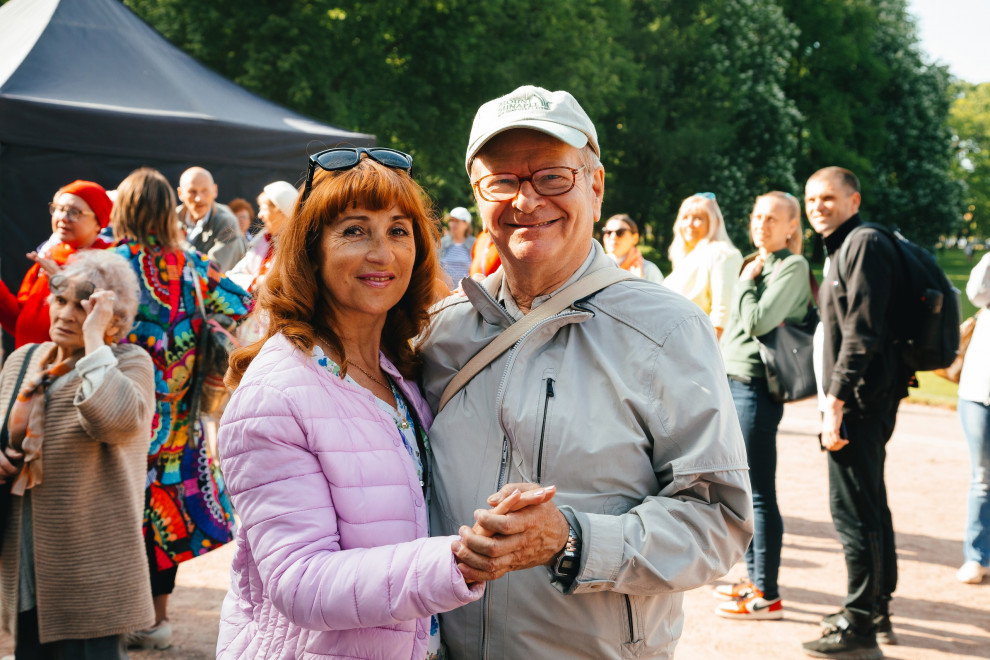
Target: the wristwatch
pixel 567 562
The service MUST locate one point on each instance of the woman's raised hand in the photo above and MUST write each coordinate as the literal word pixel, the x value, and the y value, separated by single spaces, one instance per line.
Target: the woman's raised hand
pixel 99 316
pixel 48 265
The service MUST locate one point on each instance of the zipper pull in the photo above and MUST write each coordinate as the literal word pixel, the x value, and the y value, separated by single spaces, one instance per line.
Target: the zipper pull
pixel 549 388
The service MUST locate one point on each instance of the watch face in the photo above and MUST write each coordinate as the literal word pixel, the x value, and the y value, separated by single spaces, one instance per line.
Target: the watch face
pixel 568 565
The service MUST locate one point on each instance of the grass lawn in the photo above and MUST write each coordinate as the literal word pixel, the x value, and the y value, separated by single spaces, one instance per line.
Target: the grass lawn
pixel 932 389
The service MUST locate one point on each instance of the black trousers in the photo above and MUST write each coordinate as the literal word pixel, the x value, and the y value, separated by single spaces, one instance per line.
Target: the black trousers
pixel 858 501
pixel 30 648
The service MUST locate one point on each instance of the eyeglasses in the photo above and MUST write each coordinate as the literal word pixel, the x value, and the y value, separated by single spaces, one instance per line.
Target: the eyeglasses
pixel 619 233
pixel 60 284
pixel 548 182
pixel 72 214
pixel 344 158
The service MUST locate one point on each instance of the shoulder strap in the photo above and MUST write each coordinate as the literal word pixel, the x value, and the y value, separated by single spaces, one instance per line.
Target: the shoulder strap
pixel 583 288
pixel 17 390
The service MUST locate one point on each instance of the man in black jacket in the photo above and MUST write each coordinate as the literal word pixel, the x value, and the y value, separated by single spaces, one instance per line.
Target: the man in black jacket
pixel 864 381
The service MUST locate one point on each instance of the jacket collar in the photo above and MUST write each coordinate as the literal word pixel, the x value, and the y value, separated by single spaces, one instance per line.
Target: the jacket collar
pixel 834 240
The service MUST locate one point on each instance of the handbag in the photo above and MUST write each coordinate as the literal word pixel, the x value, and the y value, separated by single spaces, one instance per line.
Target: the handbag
pixel 213 348
pixel 583 288
pixel 954 371
pixel 5 437
pixel 788 353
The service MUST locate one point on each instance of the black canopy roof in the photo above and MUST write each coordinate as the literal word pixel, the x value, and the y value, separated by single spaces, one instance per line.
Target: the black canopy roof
pixel 89 91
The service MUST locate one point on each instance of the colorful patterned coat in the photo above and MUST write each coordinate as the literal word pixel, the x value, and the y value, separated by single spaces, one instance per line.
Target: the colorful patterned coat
pixel 187 509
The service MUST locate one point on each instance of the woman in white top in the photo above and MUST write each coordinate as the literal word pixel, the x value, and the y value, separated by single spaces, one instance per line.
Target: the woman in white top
pixel 705 263
pixel 620 238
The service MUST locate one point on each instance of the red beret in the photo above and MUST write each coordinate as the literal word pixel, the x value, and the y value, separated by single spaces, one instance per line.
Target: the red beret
pixel 94 195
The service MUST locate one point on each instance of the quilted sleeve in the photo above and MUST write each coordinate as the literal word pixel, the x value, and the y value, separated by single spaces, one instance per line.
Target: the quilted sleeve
pixel 284 500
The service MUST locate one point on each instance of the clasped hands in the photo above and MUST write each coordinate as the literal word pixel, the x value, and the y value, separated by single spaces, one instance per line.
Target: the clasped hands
pixel 523 529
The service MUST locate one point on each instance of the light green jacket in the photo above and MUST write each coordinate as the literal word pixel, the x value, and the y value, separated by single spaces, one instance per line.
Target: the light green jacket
pixel 623 403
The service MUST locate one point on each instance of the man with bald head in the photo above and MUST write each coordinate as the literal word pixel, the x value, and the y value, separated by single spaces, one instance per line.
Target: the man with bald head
pixel 620 402
pixel 211 228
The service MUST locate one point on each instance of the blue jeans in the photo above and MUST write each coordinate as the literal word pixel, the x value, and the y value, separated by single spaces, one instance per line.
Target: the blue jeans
pixel 759 417
pixel 975 419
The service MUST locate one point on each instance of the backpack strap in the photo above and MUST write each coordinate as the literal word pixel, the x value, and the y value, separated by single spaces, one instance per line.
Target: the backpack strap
pixel 583 288
pixel 4 440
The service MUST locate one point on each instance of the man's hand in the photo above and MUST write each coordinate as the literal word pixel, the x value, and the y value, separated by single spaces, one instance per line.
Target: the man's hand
pixel 831 423
pixel 512 541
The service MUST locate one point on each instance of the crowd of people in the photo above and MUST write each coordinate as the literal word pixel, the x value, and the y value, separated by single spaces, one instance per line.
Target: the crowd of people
pixel 521 444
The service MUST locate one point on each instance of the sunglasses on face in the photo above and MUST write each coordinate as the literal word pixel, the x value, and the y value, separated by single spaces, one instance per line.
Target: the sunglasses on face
pixel 344 158
pixel 81 290
pixel 618 233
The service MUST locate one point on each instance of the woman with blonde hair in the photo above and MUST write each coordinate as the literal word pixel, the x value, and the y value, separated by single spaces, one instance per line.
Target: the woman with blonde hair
pixel 324 441
pixel 187 510
pixel 704 260
pixel 774 287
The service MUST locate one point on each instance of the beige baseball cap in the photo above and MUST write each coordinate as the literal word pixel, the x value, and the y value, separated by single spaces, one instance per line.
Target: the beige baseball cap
pixel 554 113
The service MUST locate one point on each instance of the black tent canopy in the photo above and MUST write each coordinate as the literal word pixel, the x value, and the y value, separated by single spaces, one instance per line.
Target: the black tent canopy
pixel 89 91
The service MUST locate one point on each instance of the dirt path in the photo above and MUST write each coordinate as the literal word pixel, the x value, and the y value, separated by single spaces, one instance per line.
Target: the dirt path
pixel 935 617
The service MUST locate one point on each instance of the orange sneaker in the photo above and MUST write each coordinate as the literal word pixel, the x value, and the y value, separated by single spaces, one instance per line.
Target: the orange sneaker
pixel 734 591
pixel 753 606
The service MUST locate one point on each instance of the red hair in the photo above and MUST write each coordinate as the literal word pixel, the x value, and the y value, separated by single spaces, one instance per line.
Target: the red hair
pixel 293 298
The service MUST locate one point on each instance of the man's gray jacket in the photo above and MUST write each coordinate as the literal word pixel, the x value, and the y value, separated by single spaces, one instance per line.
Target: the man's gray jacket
pixel 221 239
pixel 622 402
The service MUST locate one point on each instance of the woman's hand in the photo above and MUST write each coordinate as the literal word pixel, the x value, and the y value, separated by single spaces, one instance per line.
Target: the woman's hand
pixel 752 269
pixel 48 265
pixel 99 316
pixel 10 460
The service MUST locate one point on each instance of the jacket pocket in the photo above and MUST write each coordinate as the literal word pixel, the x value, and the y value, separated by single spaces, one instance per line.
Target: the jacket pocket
pixel 548 395
pixel 632 643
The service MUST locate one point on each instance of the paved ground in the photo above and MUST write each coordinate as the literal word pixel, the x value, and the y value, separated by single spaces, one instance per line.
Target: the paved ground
pixel 935 617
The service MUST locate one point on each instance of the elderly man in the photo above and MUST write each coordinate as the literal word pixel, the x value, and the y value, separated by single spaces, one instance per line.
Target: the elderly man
pixel 620 401
pixel 211 228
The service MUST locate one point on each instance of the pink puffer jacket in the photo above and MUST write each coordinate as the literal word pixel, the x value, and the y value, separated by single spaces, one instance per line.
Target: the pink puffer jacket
pixel 333 556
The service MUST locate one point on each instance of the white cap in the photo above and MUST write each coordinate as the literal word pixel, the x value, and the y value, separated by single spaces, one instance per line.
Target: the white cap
pixel 460 213
pixel 283 195
pixel 554 113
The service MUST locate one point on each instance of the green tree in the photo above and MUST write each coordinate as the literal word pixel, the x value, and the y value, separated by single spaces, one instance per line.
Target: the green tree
pixel 970 121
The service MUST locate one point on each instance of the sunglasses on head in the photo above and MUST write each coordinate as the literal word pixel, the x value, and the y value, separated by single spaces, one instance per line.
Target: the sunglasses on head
pixel 344 158
pixel 60 285
pixel 706 195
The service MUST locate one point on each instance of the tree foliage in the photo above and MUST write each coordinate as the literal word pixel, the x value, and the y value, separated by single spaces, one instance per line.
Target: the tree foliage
pixel 970 121
pixel 731 96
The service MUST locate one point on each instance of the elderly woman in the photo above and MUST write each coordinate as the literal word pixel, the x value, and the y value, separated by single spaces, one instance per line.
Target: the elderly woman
pixel 187 511
pixel 79 211
pixel 275 204
pixel 324 441
pixel 84 406
pixel 704 260
pixel 455 247
pixel 620 236
pixel 774 287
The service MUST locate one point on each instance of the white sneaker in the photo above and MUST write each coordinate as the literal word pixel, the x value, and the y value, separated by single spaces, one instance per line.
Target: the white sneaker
pixel 971 573
pixel 159 637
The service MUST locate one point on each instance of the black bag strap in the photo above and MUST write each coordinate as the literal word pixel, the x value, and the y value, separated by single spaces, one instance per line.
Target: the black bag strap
pixel 13 397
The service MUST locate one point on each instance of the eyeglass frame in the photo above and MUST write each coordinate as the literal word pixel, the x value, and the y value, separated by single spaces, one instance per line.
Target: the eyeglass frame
pixel 58 284
pixel 72 214
pixel 370 151
pixel 477 184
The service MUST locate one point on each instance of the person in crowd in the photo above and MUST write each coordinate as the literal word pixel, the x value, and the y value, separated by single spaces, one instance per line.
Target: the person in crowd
pixel 620 236
pixel 79 210
pixel 974 412
pixel 455 247
pixel 704 262
pixel 484 255
pixel 773 287
pixel 244 212
pixel 863 380
pixel 324 441
pixel 74 578
pixel 275 205
pixel 211 228
pixel 650 473
pixel 187 509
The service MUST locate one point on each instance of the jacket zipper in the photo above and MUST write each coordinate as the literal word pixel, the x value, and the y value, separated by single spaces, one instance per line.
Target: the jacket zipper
pixel 629 613
pixel 543 430
pixel 501 482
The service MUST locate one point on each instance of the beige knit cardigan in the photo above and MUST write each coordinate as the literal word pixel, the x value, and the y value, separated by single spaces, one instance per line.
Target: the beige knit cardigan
pixel 91 571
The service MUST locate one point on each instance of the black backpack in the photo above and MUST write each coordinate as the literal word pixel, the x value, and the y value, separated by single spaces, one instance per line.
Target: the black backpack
pixel 926 315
